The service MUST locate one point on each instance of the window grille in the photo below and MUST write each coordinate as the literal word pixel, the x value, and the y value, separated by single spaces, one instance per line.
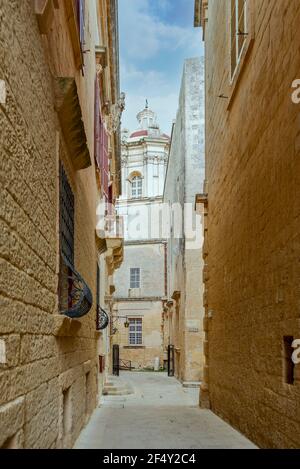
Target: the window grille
pixel 75 297
pixel 66 217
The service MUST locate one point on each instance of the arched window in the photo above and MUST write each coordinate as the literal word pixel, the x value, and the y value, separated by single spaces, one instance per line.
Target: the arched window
pixel 136 187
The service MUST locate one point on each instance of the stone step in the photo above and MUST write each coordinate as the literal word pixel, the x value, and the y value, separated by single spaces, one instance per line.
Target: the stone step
pixel 117 392
pixel 116 388
pixel 191 384
pixel 113 388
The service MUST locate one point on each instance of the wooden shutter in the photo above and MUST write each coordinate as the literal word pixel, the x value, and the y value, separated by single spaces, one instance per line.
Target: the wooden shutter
pixel 80 8
pixel 105 164
pixel 101 145
pixel 97 144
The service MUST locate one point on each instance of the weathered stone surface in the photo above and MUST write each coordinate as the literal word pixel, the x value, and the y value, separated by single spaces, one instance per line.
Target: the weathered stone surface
pixel 41 397
pixel 253 168
pixel 11 418
pixel 36 347
pixel 41 345
pixel 12 350
pixel 184 177
pixel 42 429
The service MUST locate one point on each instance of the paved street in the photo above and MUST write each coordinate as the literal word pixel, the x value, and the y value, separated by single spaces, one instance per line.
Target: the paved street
pixel 159 414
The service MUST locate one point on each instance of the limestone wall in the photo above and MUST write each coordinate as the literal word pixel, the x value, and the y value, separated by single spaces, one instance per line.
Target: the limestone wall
pixel 48 381
pixel 150 259
pixel 253 270
pixel 151 314
pixel 184 178
pixel 146 304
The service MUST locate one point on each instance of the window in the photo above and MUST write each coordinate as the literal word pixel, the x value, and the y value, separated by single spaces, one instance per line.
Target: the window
pixel 66 416
pixel 66 217
pixel 288 364
pixel 10 443
pixel 66 237
pixel 136 187
pixel 239 32
pixel 135 332
pixel 135 277
pixel 88 383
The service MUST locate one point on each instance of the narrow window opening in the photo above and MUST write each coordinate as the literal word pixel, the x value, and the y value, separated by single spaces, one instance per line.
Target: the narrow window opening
pixel 288 364
pixel 10 443
pixel 87 393
pixel 67 414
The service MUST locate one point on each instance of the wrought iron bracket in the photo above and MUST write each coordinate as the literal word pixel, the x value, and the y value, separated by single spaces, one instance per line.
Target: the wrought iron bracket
pixel 102 320
pixel 80 298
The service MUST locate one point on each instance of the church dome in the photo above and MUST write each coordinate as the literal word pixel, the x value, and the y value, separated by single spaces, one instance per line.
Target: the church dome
pixel 148 126
pixel 139 133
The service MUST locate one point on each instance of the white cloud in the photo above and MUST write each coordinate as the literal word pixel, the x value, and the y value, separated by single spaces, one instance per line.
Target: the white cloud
pixel 165 107
pixel 152 55
pixel 144 35
pixel 153 85
pixel 143 80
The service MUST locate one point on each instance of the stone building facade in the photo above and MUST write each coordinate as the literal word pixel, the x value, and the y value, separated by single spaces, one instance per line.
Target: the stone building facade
pixel 252 228
pixel 141 280
pixel 184 312
pixel 59 64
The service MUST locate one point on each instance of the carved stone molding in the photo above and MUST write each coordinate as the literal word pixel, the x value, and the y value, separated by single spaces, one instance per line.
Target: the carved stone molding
pixel 44 10
pixel 69 113
pixel 115 113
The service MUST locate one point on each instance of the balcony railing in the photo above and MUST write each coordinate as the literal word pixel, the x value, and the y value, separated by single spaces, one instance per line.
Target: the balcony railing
pixel 102 319
pixel 114 226
pixel 78 299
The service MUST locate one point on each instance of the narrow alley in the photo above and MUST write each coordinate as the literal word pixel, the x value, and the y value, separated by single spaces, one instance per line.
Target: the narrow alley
pixel 159 413
pixel 150 225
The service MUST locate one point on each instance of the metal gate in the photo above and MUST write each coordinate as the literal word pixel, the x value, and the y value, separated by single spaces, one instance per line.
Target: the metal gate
pixel 116 360
pixel 171 360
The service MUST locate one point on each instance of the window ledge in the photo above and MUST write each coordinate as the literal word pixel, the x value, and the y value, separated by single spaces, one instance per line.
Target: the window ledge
pixel 134 346
pixel 68 109
pixel 64 326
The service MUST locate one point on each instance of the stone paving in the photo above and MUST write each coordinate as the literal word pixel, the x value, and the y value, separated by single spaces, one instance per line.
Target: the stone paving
pixel 159 414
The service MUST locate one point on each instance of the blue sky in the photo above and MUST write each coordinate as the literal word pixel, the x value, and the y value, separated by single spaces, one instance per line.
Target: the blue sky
pixel 155 38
